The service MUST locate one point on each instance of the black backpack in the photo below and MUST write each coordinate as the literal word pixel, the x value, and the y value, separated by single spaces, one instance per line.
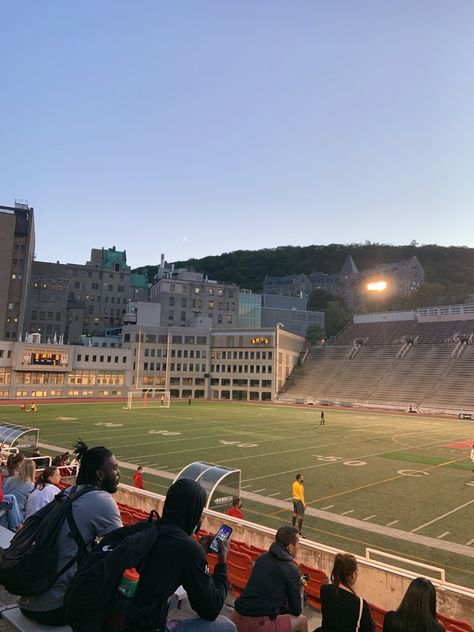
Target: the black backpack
pixel 91 599
pixel 30 564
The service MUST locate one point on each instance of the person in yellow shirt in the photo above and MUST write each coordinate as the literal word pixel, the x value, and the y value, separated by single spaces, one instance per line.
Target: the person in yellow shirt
pixel 299 504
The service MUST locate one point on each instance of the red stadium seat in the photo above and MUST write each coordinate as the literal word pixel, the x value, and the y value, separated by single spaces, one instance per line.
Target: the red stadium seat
pixel 212 561
pixel 312 588
pixel 378 615
pixel 453 624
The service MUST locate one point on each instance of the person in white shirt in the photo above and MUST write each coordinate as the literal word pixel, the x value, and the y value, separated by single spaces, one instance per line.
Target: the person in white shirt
pixel 45 490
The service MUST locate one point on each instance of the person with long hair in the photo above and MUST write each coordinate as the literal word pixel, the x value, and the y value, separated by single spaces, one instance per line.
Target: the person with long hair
pixel 417 610
pixel 95 514
pixel 45 490
pixel 13 464
pixel 21 484
pixel 342 609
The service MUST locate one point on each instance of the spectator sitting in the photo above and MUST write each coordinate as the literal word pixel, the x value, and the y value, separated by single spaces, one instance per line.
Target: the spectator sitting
pixel 62 461
pixel 341 608
pixel 138 478
pixel 39 461
pixel 45 490
pixel 417 610
pixel 271 601
pixel 234 511
pixel 13 464
pixel 95 514
pixel 177 559
pixel 21 484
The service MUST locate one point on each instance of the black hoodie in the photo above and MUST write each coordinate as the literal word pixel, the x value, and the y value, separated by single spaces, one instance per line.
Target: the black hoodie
pixel 175 560
pixel 273 588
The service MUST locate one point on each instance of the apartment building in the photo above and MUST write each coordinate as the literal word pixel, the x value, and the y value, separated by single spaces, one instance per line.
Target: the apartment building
pixel 17 244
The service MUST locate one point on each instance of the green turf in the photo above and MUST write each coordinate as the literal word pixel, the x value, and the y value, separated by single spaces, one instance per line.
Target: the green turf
pixel 378 469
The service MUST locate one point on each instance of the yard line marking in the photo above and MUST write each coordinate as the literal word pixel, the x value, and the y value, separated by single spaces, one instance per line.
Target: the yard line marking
pixel 255 491
pixel 443 516
pixel 470 542
pixel 245 486
pixel 290 498
pixel 369 517
pixel 344 513
pixel 275 494
pixel 442 535
pixel 328 507
pixel 389 524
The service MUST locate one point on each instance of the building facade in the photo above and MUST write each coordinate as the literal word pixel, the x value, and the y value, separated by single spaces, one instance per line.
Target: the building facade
pixel 69 301
pixel 17 244
pixel 188 297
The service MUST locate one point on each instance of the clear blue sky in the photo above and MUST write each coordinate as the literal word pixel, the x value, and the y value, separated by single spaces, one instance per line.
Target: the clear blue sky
pixel 203 126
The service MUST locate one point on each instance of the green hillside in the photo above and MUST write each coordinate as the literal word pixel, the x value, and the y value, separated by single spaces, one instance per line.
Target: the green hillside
pixel 449 270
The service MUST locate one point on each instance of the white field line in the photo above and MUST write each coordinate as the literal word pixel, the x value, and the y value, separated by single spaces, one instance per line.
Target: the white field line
pixel 245 486
pixel 442 535
pixel 256 491
pixel 448 513
pixel 328 507
pixel 369 517
pixel 470 542
pixel 344 513
pixel 389 524
pixel 274 494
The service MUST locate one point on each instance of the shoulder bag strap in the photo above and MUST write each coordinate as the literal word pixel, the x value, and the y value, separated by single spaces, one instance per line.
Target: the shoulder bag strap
pixel 361 605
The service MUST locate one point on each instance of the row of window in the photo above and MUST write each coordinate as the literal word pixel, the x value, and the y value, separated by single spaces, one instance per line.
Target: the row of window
pixel 71 393
pixel 76 377
pixel 242 355
pixel 87 357
pixel 156 366
pixel 240 382
pixel 5 354
pixel 241 368
pixel 197 290
pixel 100 275
pixel 175 353
pixel 163 339
pixel 264 396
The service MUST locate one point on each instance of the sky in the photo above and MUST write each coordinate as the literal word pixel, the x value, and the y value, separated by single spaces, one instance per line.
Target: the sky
pixel 196 127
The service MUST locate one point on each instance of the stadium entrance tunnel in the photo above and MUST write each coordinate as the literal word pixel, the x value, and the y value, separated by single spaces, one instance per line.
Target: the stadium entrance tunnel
pixel 15 438
pixel 220 483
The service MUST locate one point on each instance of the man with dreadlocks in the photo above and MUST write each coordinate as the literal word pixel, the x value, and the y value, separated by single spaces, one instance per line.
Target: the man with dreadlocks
pixel 95 514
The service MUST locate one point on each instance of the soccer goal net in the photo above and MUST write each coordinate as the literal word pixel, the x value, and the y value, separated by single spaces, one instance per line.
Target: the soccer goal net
pixel 149 398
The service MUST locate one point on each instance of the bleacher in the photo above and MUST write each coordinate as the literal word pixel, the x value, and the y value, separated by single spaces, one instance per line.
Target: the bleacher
pixel 242 556
pixel 383 369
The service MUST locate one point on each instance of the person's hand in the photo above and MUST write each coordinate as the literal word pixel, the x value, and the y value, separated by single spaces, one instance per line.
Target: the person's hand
pixel 223 550
pixel 205 542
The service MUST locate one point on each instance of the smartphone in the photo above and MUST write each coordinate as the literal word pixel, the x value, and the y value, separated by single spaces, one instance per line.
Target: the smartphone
pixel 223 534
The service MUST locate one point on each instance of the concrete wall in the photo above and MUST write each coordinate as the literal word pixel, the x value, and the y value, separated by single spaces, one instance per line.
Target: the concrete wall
pixel 384 317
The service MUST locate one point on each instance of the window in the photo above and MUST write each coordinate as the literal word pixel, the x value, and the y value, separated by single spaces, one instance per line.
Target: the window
pixel 197 290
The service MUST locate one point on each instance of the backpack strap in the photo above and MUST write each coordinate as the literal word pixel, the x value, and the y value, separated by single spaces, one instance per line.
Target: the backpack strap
pixel 76 534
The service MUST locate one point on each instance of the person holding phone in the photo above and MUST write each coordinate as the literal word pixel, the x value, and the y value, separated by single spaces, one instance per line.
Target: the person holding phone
pixel 271 601
pixel 178 560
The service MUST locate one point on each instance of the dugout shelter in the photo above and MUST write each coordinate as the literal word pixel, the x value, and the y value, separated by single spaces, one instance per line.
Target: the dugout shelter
pixel 220 483
pixel 15 438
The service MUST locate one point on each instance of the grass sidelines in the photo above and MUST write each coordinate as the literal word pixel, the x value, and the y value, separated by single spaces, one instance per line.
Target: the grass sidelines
pixel 366 474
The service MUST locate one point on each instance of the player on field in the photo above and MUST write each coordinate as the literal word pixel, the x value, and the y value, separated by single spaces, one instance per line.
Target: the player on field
pixel 299 504
pixel 472 456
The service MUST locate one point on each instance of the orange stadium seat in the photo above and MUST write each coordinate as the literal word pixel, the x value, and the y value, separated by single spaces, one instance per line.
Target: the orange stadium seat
pixel 312 588
pixel 239 568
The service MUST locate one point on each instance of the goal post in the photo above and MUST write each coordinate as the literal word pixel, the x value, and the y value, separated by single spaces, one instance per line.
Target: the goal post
pixel 148 398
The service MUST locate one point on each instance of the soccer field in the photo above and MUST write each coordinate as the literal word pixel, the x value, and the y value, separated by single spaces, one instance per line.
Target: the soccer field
pixel 400 483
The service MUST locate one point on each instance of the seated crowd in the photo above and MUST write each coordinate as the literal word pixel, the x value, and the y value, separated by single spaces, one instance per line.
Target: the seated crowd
pixel 271 600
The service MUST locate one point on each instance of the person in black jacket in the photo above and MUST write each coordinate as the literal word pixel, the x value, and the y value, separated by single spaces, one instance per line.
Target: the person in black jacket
pixel 417 610
pixel 271 601
pixel 177 559
pixel 342 609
